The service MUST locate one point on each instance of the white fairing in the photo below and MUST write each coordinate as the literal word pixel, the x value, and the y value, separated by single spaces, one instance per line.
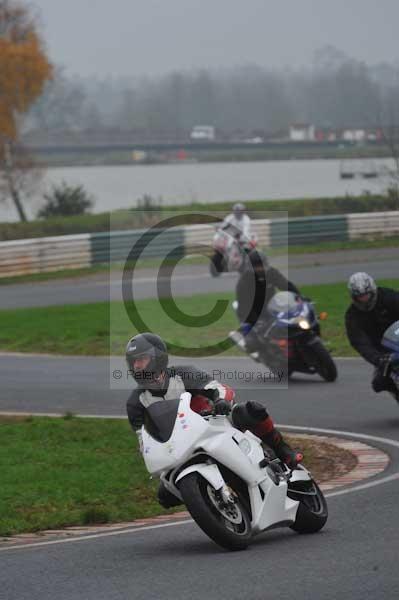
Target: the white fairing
pixel 216 441
pixel 188 429
pixel 227 245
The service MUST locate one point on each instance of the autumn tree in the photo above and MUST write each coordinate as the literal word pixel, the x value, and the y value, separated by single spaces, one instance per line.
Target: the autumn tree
pixel 24 69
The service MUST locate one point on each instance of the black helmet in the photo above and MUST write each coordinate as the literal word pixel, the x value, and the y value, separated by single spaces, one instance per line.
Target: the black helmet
pixel 151 345
pixel 257 261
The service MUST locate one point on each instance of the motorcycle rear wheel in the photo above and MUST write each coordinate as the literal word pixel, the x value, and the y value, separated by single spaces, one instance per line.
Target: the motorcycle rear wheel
pixel 312 511
pixel 229 527
pixel 217 264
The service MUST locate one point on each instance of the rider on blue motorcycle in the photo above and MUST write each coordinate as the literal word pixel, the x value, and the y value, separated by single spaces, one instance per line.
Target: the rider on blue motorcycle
pixel 147 359
pixel 256 286
pixel 372 311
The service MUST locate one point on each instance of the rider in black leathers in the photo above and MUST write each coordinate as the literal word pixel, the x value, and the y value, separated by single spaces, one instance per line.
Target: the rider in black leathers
pixel 256 286
pixel 372 311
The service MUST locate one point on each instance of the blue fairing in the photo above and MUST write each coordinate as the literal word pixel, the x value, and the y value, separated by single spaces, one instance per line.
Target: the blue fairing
pixel 303 309
pixel 390 340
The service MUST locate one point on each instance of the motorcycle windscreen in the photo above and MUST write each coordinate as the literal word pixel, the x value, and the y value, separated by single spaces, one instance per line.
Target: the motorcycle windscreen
pixel 390 338
pixel 284 303
pixel 160 419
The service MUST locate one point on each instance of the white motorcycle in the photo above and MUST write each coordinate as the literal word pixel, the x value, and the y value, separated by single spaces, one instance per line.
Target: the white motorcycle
pixel 231 484
pixel 229 250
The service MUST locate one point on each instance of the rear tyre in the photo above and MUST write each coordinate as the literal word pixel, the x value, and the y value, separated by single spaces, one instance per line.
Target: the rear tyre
pixel 228 526
pixel 312 511
pixel 323 362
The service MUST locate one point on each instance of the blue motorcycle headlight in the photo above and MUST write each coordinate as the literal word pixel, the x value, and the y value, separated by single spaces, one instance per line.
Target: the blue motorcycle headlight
pixel 304 324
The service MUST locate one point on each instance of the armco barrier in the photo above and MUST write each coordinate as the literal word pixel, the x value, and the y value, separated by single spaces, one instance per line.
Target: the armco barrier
pixel 37 255
pixel 22 257
pixel 372 224
pixel 305 230
pixel 115 246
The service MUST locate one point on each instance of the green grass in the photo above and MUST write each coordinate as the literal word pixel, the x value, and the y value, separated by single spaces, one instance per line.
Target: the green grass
pixel 59 472
pixel 72 471
pixel 85 329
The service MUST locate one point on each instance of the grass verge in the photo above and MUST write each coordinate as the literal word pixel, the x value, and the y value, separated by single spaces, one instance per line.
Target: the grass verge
pixel 71 471
pixel 85 329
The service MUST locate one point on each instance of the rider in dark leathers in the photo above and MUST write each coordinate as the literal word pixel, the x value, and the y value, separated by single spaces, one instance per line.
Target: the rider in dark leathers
pixel 147 360
pixel 256 286
pixel 372 311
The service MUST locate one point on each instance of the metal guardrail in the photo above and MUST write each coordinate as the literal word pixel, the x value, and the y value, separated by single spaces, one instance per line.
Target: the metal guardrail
pixel 381 224
pixel 38 255
pixel 56 253
pixel 115 246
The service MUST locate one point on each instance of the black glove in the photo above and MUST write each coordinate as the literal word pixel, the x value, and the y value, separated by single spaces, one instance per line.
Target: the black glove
pixel 222 407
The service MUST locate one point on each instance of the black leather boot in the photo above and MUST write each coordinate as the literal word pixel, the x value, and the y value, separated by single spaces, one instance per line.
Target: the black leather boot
pixel 283 451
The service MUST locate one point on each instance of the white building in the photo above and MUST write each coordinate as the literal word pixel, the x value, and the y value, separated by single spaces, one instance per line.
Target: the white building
pixel 302 132
pixel 203 132
pixel 354 135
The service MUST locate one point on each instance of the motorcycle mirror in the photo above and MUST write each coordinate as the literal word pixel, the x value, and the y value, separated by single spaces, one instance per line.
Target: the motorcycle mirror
pixel 323 316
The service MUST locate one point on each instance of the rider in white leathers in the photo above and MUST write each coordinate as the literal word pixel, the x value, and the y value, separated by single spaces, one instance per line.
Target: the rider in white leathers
pixel 238 221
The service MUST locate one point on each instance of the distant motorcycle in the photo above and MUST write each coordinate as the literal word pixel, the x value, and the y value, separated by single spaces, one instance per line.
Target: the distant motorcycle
pixel 390 341
pixel 232 487
pixel 230 250
pixel 289 339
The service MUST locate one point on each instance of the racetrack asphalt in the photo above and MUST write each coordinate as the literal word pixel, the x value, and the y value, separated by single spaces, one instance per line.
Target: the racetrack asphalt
pixel 353 558
pixel 187 280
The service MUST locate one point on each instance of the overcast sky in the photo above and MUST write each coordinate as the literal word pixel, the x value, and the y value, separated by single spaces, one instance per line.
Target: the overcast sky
pixel 136 37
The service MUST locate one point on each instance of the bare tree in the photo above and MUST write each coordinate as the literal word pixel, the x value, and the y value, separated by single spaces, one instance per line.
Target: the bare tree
pixel 20 176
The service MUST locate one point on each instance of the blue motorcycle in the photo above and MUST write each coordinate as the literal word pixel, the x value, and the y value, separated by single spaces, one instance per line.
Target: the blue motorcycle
pixel 390 341
pixel 289 338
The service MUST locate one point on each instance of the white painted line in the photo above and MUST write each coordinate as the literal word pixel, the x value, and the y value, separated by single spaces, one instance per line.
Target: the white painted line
pixel 360 436
pixel 113 357
pixel 94 536
pixel 357 488
pixel 155 279
pixel 59 415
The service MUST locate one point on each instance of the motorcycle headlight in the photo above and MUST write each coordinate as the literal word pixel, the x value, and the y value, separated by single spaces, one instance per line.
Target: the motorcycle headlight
pixel 304 324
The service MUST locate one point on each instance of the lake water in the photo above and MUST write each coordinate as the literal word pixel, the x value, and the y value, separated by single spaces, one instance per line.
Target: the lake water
pixel 121 186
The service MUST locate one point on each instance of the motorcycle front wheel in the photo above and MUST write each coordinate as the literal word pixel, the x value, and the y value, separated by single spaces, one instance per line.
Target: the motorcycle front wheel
pixel 323 362
pixel 227 525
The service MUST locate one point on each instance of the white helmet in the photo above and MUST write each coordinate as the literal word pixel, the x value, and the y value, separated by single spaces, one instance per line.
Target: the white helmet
pixel 363 291
pixel 239 210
